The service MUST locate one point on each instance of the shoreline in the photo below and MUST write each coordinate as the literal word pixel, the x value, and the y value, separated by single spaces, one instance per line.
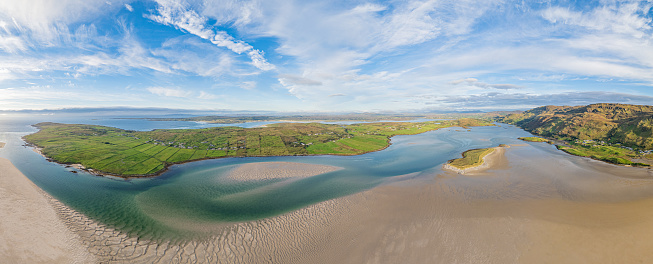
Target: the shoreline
pixel 447 220
pixel 99 173
pixel 488 162
pixel 32 231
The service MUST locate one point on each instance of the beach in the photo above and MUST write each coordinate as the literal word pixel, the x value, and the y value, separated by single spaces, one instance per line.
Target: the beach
pixel 568 210
pixel 30 229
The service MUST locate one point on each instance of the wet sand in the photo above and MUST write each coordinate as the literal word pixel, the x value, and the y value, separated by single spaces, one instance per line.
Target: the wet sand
pixel 532 205
pixel 30 230
pixel 277 170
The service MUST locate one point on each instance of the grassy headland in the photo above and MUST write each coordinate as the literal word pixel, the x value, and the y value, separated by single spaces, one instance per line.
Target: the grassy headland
pixel 127 153
pixel 615 133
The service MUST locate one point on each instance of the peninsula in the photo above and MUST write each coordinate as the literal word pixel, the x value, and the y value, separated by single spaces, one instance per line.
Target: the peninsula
pixel 112 151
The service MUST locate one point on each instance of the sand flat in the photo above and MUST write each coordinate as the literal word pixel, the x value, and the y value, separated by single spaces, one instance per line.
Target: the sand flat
pixel 530 211
pixel 30 230
pixel 277 170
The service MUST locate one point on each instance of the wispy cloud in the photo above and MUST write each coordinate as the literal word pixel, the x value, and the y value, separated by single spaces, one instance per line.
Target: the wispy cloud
pixel 329 54
pixel 171 92
pixel 497 101
pixel 474 82
pixel 178 15
pixel 181 93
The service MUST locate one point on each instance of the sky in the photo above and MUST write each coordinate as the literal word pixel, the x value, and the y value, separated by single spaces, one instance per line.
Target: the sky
pixel 324 56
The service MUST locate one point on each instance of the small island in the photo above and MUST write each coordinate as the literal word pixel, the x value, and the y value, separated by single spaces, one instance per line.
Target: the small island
pixel 473 160
pixel 534 139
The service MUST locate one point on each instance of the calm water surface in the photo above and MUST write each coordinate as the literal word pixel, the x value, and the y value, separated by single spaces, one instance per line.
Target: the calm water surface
pixel 199 192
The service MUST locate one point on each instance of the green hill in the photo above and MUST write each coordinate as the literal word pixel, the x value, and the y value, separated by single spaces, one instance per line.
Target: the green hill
pixel 624 131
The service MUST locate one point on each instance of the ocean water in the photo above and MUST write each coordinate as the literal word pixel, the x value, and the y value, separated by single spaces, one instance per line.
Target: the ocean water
pixel 198 192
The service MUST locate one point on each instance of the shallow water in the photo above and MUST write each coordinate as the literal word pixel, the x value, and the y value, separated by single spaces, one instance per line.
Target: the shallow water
pixel 198 193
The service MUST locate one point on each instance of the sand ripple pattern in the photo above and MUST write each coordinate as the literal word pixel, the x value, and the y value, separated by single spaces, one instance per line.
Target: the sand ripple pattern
pixel 282 239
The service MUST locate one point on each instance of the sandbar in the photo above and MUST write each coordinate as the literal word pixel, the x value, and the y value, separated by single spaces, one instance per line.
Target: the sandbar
pixel 30 230
pixel 277 170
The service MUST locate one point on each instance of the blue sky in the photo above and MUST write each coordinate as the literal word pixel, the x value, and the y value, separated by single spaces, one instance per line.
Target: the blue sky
pixel 323 56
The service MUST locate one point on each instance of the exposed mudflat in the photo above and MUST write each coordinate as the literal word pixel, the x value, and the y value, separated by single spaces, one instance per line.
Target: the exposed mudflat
pixel 532 205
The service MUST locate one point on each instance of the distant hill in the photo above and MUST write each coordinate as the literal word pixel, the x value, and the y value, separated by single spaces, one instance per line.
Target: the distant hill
pixel 630 125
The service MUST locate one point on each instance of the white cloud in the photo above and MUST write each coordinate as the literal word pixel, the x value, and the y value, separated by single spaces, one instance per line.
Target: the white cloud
pixel 622 18
pixel 178 15
pixel 12 44
pixel 46 21
pixel 496 101
pixel 171 92
pixel 129 8
pixel 287 79
pixel 475 83
pixel 207 96
pixel 248 85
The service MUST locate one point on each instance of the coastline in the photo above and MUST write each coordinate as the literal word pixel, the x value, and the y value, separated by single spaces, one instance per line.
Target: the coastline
pixel 100 173
pixel 447 220
pixel 31 230
pixel 489 161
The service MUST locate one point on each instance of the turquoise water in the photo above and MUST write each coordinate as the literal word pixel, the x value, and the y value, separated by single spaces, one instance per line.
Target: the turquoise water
pixel 164 207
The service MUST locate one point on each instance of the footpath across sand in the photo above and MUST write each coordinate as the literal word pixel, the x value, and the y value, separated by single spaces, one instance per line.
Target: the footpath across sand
pixel 30 230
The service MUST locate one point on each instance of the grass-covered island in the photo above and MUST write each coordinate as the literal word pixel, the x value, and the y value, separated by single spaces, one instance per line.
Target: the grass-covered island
pixel 125 153
pixel 616 133
pixel 472 159
pixel 534 139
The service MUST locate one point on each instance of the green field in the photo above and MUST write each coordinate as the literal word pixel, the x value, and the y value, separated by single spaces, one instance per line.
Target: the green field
pixel 616 155
pixel 534 139
pixel 615 133
pixel 132 153
pixel 471 158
